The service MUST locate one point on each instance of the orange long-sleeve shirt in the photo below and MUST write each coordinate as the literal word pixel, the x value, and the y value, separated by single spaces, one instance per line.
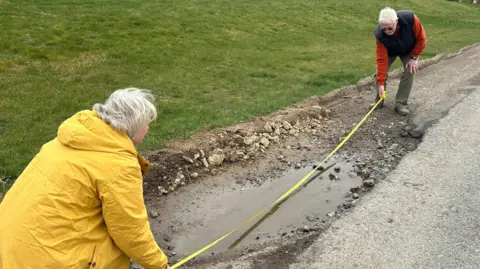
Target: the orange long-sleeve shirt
pixel 382 53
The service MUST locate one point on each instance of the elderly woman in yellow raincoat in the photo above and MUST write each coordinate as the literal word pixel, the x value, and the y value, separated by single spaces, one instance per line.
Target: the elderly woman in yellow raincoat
pixel 79 203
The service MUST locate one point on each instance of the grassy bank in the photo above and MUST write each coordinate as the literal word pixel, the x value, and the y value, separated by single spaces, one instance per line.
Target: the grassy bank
pixel 212 62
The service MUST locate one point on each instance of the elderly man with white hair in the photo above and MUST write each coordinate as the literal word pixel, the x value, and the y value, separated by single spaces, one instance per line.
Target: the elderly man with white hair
pixel 398 34
pixel 79 202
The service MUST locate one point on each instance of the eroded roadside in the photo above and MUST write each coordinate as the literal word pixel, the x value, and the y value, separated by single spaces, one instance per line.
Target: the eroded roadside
pixel 207 209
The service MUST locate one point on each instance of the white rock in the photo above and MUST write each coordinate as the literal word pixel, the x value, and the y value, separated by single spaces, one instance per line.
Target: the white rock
pixel 205 163
pixel 286 125
pixel 264 141
pixel 268 128
pixel 218 151
pixel 240 153
pixel 216 159
pixel 249 140
pixel 189 160
pixel 268 136
pixel 255 147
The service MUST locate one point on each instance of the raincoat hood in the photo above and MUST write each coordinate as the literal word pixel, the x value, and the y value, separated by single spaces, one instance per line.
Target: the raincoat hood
pixel 87 131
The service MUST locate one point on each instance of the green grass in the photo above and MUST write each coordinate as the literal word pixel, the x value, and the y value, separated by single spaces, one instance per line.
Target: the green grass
pixel 211 63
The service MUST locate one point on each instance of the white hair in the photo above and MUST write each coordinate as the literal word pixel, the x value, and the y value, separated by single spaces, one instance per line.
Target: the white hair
pixel 128 110
pixel 387 16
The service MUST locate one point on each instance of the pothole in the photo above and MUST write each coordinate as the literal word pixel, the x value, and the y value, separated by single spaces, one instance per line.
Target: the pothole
pixel 215 209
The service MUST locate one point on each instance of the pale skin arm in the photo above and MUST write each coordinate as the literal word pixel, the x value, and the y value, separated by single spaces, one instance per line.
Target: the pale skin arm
pixel 381 89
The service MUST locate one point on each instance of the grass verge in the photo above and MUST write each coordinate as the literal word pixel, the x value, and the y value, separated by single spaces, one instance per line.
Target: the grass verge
pixel 211 63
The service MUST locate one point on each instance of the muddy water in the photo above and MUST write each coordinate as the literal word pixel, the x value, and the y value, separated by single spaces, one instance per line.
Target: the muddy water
pixel 201 214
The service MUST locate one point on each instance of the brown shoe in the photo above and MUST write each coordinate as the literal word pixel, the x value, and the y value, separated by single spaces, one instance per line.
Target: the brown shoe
pixel 401 110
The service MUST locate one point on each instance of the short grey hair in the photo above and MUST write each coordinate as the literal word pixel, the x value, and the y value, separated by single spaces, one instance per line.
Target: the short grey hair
pixel 387 16
pixel 128 110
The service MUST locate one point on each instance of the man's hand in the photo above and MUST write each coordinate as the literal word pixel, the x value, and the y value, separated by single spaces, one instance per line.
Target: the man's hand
pixel 381 89
pixel 412 65
pixel 168 267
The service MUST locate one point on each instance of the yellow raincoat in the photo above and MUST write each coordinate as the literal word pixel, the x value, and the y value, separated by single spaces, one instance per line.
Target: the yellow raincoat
pixel 79 204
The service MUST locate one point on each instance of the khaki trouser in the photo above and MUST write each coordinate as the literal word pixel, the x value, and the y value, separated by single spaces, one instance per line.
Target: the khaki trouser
pixel 406 82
